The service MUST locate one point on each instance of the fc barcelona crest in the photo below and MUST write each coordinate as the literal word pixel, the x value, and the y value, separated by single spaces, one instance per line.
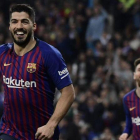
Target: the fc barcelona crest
pixel 31 67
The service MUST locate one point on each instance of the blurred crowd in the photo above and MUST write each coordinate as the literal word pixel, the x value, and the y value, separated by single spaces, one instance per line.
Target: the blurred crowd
pixel 99 40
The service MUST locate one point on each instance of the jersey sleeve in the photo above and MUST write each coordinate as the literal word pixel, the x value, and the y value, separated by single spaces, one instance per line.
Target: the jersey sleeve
pixel 128 127
pixel 56 69
pixel 2 48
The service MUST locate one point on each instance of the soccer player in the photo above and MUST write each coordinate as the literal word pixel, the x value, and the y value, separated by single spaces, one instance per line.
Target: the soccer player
pixel 132 108
pixel 31 71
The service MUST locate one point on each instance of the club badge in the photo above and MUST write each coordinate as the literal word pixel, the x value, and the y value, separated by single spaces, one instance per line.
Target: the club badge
pixel 31 67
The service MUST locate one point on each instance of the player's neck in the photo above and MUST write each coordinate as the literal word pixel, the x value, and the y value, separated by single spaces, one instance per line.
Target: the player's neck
pixel 23 50
pixel 138 92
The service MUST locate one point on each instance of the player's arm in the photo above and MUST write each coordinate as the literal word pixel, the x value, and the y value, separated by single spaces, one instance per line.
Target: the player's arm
pixel 128 128
pixel 62 106
pixel 66 99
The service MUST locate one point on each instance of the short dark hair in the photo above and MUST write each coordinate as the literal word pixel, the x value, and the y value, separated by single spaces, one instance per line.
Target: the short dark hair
pixel 23 8
pixel 136 62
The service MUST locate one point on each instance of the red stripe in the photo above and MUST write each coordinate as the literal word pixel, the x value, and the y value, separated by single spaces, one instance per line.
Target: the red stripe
pixel 13 72
pixel 5 88
pixel 4 85
pixel 32 91
pixel 138 113
pixel 136 110
pixel 8 74
pixel 26 93
pixel 38 80
pixel 19 69
pixel 135 114
pixel 130 101
pixel 15 63
pixel 42 86
pixel 45 98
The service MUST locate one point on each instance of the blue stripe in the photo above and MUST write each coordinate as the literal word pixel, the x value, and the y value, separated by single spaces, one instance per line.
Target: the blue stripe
pixel 10 113
pixel 39 87
pixel 138 114
pixel 4 93
pixel 12 93
pixel 30 99
pixel 24 97
pixel 35 92
pixel 135 113
pixel 18 94
pixel 7 75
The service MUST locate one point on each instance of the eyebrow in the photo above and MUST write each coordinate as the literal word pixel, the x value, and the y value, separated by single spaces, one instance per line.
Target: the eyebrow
pixel 21 19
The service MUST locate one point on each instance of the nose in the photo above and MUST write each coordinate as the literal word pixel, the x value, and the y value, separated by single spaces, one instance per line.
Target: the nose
pixel 19 25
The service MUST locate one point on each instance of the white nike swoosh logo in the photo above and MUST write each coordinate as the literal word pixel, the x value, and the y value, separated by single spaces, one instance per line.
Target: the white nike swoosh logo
pixel 7 64
pixel 132 108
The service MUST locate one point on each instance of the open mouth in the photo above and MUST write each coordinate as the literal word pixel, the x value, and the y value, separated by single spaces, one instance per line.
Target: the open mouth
pixel 20 34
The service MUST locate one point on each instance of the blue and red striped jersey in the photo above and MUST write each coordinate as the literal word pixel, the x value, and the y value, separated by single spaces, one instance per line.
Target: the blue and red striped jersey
pixel 29 86
pixel 132 111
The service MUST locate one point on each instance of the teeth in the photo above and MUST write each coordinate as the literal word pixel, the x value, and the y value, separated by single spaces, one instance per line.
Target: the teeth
pixel 20 33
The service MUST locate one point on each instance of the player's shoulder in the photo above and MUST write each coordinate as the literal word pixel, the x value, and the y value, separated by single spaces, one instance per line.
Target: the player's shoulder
pixel 129 94
pixel 47 49
pixel 5 47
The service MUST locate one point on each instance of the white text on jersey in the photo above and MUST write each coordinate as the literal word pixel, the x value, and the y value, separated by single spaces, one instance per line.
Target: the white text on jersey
pixel 14 83
pixel 136 120
pixel 63 73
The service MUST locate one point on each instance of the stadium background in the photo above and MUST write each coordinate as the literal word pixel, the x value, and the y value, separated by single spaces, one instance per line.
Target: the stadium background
pixel 99 40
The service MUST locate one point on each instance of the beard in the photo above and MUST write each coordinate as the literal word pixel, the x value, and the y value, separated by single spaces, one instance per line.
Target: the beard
pixel 22 42
pixel 138 83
